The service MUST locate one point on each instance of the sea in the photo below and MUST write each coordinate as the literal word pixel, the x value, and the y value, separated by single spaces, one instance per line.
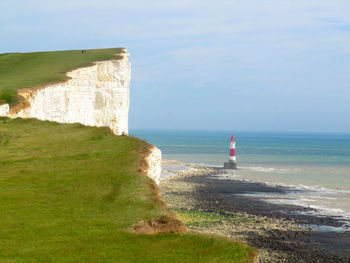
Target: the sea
pixel 314 166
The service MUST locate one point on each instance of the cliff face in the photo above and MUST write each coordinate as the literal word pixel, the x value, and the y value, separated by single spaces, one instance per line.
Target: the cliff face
pixel 154 160
pixel 93 96
pixel 4 110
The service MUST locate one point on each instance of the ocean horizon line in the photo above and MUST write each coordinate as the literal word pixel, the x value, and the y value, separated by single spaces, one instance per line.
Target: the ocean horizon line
pixel 241 131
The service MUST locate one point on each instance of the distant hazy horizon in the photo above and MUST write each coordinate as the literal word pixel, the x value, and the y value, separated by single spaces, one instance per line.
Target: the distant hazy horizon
pixel 256 65
pixel 233 131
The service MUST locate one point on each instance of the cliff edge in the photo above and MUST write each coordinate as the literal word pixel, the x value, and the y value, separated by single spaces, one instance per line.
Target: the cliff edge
pixel 154 162
pixel 94 96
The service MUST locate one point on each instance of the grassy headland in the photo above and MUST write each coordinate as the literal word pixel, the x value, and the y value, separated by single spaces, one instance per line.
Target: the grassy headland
pixel 23 70
pixel 70 193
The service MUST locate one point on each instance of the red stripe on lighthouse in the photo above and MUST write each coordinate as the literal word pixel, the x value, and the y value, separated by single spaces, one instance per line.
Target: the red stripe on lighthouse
pixel 232 149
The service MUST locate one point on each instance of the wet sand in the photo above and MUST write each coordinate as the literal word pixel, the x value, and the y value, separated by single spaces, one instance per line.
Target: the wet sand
pixel 277 230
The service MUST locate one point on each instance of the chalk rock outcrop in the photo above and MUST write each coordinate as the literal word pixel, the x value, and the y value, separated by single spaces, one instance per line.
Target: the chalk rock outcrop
pixel 154 161
pixel 98 95
pixel 4 110
pixel 94 96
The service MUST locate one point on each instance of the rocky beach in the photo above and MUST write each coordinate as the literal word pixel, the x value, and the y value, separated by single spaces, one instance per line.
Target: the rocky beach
pixel 208 200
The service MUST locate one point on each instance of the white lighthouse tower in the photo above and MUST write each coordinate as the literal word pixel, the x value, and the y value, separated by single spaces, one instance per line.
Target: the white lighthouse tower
pixel 232 164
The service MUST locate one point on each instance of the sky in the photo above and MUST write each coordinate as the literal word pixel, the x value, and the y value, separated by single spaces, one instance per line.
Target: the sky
pixel 251 65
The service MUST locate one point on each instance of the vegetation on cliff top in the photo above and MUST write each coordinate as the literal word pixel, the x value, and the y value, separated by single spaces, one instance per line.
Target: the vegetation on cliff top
pixel 70 193
pixel 23 70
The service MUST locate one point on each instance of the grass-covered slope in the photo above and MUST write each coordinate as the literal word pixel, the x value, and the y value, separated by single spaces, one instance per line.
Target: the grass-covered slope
pixel 22 70
pixel 70 193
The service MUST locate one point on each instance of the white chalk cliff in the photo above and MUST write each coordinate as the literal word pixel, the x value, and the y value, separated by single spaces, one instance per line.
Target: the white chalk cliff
pixel 98 95
pixel 94 96
pixel 4 110
pixel 154 160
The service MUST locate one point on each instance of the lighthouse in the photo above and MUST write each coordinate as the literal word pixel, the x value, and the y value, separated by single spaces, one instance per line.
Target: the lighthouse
pixel 232 164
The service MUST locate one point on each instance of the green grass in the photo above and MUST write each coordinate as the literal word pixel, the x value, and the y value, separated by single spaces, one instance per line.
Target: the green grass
pixel 70 193
pixel 21 70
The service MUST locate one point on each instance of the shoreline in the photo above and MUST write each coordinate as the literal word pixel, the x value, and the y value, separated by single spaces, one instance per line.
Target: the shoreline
pixel 279 231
